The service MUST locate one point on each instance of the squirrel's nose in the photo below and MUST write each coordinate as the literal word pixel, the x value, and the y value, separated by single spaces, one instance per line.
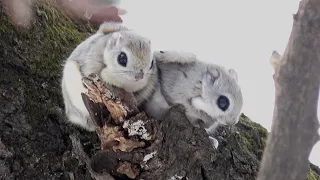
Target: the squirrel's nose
pixel 139 75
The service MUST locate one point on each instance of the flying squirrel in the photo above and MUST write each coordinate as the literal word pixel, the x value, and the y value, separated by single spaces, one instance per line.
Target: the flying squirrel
pixel 209 93
pixel 120 57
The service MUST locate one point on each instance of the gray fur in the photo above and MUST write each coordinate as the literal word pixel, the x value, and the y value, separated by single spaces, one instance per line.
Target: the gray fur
pixel 98 54
pixel 175 56
pixel 182 83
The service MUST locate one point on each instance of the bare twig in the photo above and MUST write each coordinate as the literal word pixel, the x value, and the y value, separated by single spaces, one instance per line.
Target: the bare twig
pixel 295 124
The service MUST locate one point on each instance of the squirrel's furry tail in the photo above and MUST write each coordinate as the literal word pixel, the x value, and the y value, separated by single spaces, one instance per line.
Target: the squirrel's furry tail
pixel 109 27
pixel 174 56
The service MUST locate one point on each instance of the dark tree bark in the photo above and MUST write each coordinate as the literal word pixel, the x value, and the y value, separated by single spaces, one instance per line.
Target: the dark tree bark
pixel 297 78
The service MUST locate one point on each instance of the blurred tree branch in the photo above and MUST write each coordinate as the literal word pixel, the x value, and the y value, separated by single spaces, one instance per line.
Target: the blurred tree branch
pixel 297 78
pixel 19 11
pixel 93 11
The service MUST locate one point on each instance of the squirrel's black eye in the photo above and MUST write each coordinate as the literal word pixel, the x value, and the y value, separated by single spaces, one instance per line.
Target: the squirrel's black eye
pixel 151 64
pixel 122 59
pixel 223 103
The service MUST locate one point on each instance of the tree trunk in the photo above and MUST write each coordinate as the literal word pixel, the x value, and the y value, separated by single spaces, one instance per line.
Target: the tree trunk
pixel 297 78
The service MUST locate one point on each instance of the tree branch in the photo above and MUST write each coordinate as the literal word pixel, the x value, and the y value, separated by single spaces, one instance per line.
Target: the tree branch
pixel 295 124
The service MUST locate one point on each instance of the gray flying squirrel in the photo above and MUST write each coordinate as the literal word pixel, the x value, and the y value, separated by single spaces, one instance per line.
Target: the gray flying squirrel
pixel 120 57
pixel 210 93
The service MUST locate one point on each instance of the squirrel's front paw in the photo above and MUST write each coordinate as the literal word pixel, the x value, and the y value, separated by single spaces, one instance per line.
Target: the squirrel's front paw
pixel 214 142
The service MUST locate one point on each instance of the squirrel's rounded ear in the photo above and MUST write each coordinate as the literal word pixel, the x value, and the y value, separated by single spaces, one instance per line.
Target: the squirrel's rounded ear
pixel 216 74
pixel 233 74
pixel 114 40
pixel 211 75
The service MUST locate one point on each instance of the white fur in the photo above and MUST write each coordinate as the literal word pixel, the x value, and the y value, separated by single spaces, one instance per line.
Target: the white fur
pixel 212 110
pixel 161 108
pixel 114 40
pixel 199 104
pixel 83 124
pixel 123 80
pixel 72 82
pixel 214 126
pixel 214 142
pixel 234 74
pixel 128 84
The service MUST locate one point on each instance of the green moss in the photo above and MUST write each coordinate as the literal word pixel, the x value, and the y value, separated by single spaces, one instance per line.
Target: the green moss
pixel 4 28
pixel 311 175
pixel 252 135
pixel 41 50
pixel 59 34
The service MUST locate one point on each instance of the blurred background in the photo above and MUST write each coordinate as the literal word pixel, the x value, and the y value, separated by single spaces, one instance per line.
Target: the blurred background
pixel 237 34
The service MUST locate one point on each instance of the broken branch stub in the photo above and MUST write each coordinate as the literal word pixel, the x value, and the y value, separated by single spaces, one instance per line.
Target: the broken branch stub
pixel 119 124
pixel 119 108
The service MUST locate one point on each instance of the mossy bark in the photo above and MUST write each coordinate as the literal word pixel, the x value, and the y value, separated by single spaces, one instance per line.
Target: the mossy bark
pixel 36 141
pixel 34 134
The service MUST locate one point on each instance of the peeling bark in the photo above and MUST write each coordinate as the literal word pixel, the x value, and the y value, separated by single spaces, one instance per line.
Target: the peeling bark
pixel 120 127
